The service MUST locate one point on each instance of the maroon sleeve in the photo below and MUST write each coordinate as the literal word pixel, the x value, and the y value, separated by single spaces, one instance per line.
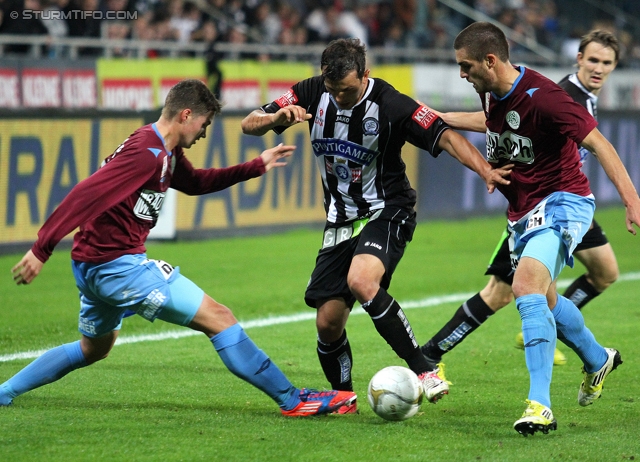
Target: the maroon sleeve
pixel 196 181
pixel 110 185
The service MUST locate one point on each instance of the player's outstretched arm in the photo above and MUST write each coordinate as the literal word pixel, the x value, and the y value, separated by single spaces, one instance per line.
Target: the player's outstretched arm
pixel 26 269
pixel 606 154
pixel 258 122
pixel 466 153
pixel 271 157
pixel 470 121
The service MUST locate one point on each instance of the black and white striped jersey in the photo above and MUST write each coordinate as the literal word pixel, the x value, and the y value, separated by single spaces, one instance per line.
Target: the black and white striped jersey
pixel 358 150
pixel 572 85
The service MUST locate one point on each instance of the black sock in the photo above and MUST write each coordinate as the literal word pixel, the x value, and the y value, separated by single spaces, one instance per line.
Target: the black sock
pixel 392 324
pixel 581 292
pixel 466 319
pixel 336 362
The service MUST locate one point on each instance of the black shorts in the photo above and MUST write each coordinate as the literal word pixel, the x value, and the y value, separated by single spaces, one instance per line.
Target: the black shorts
pixel 500 264
pixel 384 236
pixel 595 237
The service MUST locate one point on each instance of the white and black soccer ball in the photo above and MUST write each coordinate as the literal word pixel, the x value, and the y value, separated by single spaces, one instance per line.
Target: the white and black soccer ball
pixel 395 393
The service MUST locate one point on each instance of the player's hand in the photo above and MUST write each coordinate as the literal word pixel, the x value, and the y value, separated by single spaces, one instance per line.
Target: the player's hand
pixel 27 269
pixel 497 176
pixel 290 115
pixel 271 157
pixel 633 216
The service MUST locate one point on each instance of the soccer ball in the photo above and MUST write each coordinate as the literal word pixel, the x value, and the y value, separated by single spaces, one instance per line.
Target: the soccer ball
pixel 395 393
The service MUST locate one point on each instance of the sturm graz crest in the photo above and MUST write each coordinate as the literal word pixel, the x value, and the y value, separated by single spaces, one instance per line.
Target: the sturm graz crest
pixel 342 171
pixel 370 126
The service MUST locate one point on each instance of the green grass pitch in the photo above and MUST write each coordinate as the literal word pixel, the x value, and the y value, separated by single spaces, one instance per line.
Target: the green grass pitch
pixel 173 399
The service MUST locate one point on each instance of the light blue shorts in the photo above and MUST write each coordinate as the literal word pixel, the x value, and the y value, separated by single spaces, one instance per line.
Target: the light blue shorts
pixel 551 231
pixel 151 288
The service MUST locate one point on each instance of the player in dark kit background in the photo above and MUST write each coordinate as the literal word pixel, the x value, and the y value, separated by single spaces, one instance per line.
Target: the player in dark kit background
pixel 597 58
pixel 358 126
pixel 533 124
pixel 115 208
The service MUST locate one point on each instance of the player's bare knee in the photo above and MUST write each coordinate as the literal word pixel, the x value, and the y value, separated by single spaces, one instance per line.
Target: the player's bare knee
pixel 329 328
pixel 96 350
pixel 212 308
pixel 603 279
pixel 497 294
pixel 520 288
pixel 362 287
pixel 95 356
pixel 500 301
pixel 212 317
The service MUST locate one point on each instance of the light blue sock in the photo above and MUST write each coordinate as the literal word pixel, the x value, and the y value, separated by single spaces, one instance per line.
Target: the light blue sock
pixel 245 360
pixel 49 367
pixel 573 332
pixel 539 332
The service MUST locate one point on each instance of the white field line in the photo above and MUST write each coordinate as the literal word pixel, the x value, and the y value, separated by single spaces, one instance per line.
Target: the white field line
pixel 304 316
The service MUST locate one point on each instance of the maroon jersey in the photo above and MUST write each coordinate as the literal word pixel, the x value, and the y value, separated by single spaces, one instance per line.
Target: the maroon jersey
pixel 117 206
pixel 537 127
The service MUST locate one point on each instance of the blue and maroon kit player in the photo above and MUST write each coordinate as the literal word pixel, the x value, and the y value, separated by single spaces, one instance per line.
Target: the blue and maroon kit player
pixel 597 58
pixel 115 208
pixel 533 124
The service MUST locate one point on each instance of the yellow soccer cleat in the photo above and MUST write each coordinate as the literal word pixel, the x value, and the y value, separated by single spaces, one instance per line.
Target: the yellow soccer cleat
pixel 559 359
pixel 536 418
pixel 591 386
pixel 440 373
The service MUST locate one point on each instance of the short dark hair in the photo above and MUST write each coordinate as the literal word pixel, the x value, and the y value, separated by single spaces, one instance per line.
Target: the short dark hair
pixel 190 94
pixel 604 38
pixel 481 38
pixel 343 56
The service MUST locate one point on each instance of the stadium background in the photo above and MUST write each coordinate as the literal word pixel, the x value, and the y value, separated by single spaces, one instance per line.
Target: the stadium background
pixel 174 399
pixel 64 105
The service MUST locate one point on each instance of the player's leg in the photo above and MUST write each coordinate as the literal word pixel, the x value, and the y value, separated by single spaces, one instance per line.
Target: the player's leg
pixel 597 255
pixel 540 257
pixel 575 216
pixel 597 361
pixel 98 325
pixel 187 305
pixel 380 247
pixel 530 285
pixel 328 292
pixel 542 253
pixel 387 315
pixel 55 364
pixel 237 351
pixel 475 311
pixel 391 322
pixel 334 350
pixel 467 318
pixel 538 330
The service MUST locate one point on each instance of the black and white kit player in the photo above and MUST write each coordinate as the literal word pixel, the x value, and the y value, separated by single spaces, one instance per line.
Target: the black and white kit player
pixel 357 127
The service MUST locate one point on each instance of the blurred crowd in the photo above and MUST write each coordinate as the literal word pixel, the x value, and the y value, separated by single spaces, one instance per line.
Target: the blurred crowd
pixel 389 24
